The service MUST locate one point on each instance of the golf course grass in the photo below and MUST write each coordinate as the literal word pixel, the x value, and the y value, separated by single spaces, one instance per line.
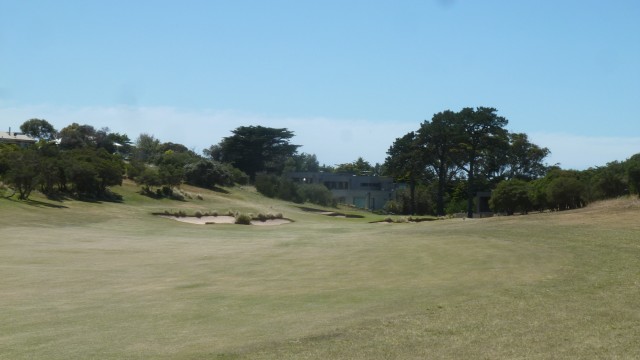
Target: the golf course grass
pixel 88 280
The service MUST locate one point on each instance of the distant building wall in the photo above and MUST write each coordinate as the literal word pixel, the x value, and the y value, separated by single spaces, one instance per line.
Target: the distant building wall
pixel 365 192
pixel 16 138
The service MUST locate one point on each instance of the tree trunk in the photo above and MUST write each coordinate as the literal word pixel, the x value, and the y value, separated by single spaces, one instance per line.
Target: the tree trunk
pixel 412 195
pixel 442 183
pixel 470 189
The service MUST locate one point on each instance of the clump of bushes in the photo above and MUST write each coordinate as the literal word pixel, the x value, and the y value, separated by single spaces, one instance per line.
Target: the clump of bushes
pixel 243 219
pixel 284 189
pixel 264 217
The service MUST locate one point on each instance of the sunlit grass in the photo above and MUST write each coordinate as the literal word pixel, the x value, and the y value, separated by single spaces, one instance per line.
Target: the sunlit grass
pixel 112 281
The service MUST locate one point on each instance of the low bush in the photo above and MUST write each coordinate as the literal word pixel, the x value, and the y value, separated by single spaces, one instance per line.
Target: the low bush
pixel 243 219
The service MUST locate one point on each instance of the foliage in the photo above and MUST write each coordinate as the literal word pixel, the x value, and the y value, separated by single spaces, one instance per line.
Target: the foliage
pixel 267 185
pixel 39 129
pixel 633 173
pixel 207 174
pixel 406 203
pixel 471 145
pixel 301 163
pixel 5 150
pixel 565 192
pixel 282 188
pixel 511 196
pixel 243 219
pixel 316 194
pixel 148 178
pixel 406 161
pixel 92 172
pixel 524 159
pixel 481 133
pixel 23 173
pixel 77 136
pixel 255 149
pixel 438 140
pixel 458 199
pixel 147 148
pixel 358 167
pixel 608 182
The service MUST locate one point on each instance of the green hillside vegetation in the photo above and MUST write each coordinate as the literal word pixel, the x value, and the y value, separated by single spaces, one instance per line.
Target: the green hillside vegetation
pixel 109 280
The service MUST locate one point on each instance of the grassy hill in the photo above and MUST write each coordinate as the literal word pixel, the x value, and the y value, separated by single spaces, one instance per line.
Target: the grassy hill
pixel 111 281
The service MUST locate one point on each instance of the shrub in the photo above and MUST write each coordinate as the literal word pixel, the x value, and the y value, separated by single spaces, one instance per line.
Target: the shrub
pixel 243 219
pixel 316 194
pixel 511 196
pixel 198 214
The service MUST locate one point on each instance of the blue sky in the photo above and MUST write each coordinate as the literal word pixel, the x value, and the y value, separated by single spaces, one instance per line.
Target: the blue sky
pixel 348 77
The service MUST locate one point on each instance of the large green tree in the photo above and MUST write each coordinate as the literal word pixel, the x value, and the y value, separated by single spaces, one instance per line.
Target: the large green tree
pixel 39 129
pixel 24 171
pixel 481 132
pixel 255 149
pixel 438 139
pixel 76 136
pixel 406 162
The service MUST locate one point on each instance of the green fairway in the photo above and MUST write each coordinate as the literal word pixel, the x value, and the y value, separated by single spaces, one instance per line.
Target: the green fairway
pixel 111 281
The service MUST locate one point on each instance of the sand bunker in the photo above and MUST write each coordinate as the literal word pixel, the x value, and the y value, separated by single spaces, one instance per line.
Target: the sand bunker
pixel 208 220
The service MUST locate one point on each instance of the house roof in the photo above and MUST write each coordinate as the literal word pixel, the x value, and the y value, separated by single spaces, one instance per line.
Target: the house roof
pixel 15 137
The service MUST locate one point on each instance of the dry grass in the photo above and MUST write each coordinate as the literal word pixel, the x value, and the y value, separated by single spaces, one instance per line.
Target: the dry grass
pixel 112 281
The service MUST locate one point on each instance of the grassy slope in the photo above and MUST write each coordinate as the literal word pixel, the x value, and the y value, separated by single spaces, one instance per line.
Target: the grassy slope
pixel 110 281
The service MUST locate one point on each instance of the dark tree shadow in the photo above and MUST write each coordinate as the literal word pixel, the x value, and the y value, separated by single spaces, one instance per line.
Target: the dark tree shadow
pixel 37 203
pixel 220 190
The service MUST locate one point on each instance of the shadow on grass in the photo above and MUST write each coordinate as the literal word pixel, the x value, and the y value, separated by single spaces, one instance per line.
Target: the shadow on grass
pixel 38 203
pixel 220 190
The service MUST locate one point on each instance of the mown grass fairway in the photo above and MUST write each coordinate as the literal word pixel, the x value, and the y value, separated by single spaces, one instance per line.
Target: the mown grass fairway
pixel 110 281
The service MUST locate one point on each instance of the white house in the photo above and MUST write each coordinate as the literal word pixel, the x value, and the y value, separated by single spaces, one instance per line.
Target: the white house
pixel 16 138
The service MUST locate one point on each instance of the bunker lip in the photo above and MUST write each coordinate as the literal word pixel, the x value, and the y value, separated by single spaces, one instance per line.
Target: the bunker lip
pixel 330 213
pixel 221 219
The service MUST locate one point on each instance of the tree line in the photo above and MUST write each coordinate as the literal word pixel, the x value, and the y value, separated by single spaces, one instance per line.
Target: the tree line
pixel 444 162
pixel 451 157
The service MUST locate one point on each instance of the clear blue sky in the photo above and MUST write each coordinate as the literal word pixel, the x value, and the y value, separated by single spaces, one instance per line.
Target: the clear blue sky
pixel 348 77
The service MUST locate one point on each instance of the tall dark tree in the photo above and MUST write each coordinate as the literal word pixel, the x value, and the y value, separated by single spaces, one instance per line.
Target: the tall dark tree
pixel 255 149
pixel 406 162
pixel 633 173
pixel 38 129
pixel 438 139
pixel 24 171
pixel 76 136
pixel 481 132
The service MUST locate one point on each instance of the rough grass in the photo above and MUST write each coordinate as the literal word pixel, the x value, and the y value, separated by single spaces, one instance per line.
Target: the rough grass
pixel 110 281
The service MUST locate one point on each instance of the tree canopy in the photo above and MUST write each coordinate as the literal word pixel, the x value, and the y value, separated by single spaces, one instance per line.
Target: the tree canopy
pixel 38 129
pixel 255 149
pixel 470 146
